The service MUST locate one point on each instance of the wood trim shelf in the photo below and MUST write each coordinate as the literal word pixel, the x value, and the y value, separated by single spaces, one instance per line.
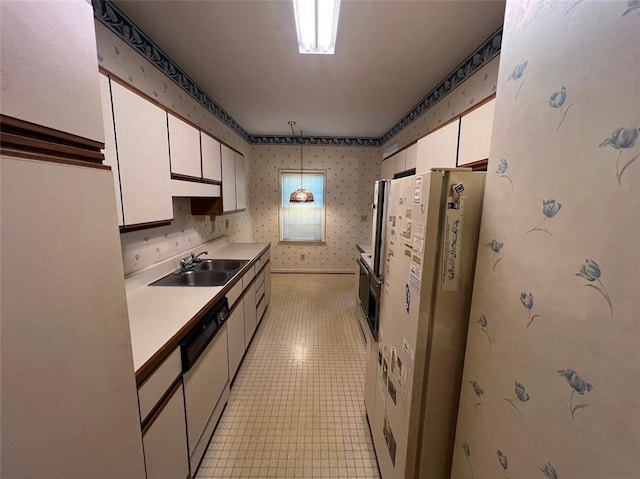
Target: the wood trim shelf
pixel 480 165
pixel 142 226
pixel 194 179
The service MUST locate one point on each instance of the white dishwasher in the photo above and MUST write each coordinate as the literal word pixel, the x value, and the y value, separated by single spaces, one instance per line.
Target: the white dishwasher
pixel 206 378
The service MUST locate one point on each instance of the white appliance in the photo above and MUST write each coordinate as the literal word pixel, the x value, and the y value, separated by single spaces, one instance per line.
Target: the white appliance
pixel 378 209
pixel 432 226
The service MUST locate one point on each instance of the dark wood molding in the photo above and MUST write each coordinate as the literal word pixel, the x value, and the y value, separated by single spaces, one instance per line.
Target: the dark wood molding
pixel 49 158
pixel 478 105
pixel 42 142
pixel 194 179
pixel 133 89
pixel 143 226
pixel 154 361
pixel 161 404
pixel 480 165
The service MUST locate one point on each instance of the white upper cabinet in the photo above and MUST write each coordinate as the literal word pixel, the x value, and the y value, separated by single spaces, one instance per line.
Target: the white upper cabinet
pixel 386 171
pixel 184 143
pixel 399 161
pixel 438 149
pixel 475 134
pixel 241 181
pixel 412 157
pixel 110 157
pixel 143 157
pixel 211 162
pixel 228 179
pixel 44 80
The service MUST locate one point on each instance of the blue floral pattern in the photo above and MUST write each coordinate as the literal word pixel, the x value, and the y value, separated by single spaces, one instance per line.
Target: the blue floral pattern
pixel 477 390
pixel 557 100
pixel 495 246
pixel 548 471
pixel 527 301
pixel 503 167
pixel 550 208
pixel 577 385
pixel 467 454
pixel 516 76
pixel 521 396
pixel 622 139
pixel 484 327
pixel 502 459
pixel 590 271
pixel 631 6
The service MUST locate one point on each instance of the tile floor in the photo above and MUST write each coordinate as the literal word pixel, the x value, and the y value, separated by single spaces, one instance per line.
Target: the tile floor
pixel 296 408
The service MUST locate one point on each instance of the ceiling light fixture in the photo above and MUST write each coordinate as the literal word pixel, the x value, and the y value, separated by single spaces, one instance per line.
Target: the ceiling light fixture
pixel 301 195
pixel 317 25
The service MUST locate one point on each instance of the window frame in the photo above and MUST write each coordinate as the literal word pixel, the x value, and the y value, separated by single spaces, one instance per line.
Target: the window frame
pixel 323 228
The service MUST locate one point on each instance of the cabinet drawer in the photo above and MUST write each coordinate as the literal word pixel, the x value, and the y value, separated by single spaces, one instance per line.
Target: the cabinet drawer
pixel 265 256
pixel 234 293
pixel 258 265
pixel 260 279
pixel 150 392
pixel 248 277
pixel 259 293
pixel 262 306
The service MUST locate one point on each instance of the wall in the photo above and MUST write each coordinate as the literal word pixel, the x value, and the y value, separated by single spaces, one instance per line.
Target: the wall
pixel 550 387
pixel 350 176
pixel 472 91
pixel 144 248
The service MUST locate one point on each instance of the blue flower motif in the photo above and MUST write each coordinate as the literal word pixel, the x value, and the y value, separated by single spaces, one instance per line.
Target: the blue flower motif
pixel 558 98
pixel 518 71
pixel 631 6
pixel 502 459
pixel 476 388
pixel 521 396
pixel 495 245
pixel 548 471
pixel 591 272
pixel 527 300
pixel 484 325
pixel 577 385
pixel 465 446
pixel 622 138
pixel 550 207
pixel 503 166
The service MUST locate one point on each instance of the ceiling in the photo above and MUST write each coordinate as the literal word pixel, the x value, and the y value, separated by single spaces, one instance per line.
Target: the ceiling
pixel 389 55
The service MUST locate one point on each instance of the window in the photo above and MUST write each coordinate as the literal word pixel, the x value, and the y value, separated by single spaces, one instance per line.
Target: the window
pixel 302 221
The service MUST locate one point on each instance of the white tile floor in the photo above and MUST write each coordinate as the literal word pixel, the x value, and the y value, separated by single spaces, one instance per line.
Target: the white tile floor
pixel 296 408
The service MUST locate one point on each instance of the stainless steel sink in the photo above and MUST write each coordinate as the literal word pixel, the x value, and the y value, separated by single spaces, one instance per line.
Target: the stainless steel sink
pixel 210 272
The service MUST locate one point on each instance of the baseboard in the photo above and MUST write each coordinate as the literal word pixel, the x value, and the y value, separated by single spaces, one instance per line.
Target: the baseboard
pixel 313 271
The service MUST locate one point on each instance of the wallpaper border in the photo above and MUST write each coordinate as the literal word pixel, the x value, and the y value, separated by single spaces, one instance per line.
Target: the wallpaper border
pixel 110 15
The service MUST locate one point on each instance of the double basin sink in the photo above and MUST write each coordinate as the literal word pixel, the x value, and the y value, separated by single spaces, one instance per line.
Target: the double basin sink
pixel 208 272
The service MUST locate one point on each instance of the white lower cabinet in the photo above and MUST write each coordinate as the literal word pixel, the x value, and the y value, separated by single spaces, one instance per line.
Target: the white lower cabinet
pixel 267 282
pixel 235 338
pixel 250 313
pixel 165 440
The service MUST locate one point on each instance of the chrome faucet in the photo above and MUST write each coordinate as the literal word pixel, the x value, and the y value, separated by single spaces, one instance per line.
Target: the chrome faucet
pixel 191 260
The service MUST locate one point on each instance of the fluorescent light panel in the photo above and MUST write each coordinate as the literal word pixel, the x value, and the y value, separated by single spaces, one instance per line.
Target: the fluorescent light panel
pixel 317 25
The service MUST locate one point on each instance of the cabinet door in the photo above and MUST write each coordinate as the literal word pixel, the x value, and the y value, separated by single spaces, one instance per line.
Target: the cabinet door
pixel 110 157
pixel 399 161
pixel 267 282
pixel 412 157
pixel 241 181
pixel 184 148
pixel 438 149
pixel 235 338
pixel 211 163
pixel 143 157
pixel 49 66
pixel 250 314
pixel 228 179
pixel 386 172
pixel 475 134
pixel 165 441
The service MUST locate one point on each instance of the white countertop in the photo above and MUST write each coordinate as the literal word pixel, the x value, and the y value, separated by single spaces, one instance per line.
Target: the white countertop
pixel 157 313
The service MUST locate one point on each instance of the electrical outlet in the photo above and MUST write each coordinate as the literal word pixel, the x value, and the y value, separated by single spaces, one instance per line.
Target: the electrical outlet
pixel 302 256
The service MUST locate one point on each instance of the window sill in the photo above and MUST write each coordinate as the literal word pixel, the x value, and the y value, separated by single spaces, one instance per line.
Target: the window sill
pixel 302 242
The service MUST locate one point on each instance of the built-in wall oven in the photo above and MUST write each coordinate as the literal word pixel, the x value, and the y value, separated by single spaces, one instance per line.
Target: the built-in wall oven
pixel 369 294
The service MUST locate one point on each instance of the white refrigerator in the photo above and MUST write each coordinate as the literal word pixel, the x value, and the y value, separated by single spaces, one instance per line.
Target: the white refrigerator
pixel 432 226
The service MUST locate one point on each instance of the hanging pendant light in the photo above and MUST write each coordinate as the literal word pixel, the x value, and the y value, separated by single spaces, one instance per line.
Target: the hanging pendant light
pixel 301 195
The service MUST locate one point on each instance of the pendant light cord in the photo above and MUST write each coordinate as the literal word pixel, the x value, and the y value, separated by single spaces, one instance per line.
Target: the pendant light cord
pixel 292 124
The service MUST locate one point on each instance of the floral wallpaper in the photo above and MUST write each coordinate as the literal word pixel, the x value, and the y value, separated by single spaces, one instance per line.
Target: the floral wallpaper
pixel 144 248
pixel 350 176
pixel 551 384
pixel 473 90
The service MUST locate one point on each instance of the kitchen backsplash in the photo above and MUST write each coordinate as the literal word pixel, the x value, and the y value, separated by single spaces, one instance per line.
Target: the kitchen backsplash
pixel 550 387
pixel 350 176
pixel 143 248
pixel 472 91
